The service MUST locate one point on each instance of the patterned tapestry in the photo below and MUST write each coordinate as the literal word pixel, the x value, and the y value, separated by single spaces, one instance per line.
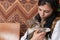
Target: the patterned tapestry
pixel 12 11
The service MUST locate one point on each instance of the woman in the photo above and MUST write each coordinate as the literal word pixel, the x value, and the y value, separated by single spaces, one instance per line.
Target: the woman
pixel 47 11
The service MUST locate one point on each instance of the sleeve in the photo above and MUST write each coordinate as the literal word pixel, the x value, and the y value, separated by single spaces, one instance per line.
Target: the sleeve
pixel 25 36
pixel 56 32
pixel 29 31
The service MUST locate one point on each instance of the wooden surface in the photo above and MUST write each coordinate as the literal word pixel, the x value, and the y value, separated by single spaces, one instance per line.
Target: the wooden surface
pixel 9 31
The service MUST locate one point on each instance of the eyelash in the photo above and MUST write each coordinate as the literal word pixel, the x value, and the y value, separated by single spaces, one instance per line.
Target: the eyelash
pixel 46 11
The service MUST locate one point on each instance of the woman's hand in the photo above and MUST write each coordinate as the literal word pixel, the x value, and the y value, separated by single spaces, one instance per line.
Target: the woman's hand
pixel 38 36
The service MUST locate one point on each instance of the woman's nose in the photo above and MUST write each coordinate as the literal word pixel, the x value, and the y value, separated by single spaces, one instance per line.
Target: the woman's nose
pixel 42 13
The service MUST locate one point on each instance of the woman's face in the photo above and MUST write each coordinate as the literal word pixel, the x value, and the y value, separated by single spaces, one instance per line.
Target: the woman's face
pixel 44 11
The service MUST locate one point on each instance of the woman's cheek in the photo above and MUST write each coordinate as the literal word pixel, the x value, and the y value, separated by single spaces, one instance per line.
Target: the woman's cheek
pixel 46 16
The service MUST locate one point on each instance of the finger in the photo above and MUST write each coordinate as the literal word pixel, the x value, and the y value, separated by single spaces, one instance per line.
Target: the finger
pixel 41 37
pixel 43 33
pixel 36 31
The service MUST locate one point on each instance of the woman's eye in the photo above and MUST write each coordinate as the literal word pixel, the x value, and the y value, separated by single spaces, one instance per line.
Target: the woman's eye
pixel 46 11
pixel 40 10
